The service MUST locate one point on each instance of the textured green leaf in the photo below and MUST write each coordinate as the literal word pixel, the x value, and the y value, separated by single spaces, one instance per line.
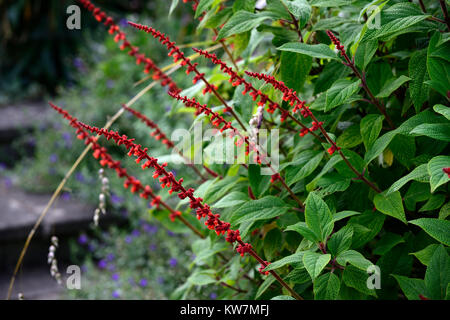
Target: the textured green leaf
pixel 330 3
pixel 438 131
pixel 315 262
pixel 424 255
pixel 391 205
pixel 354 258
pixel 387 242
pixel 339 92
pixel 326 287
pixel 298 276
pixel 418 174
pixel 264 286
pixel 370 128
pixel 437 228
pixel 437 276
pixel 318 217
pixel 294 175
pixel 417 67
pixel 203 5
pixel 445 111
pixel 438 176
pixel 293 258
pixel 259 183
pixel 202 277
pixel 294 68
pixel 365 227
pixel 332 72
pixel 232 199
pixel 264 208
pixel 320 51
pixel 438 64
pixel 272 243
pixel 300 9
pixel 340 241
pixel 411 287
pixel 304 230
pixel 391 86
pixel 350 138
pixel 365 52
pixel 344 214
pixel 433 203
pixel 357 279
pixel 396 27
pixel 240 22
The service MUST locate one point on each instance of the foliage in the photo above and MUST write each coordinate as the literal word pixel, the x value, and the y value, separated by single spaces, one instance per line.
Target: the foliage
pixel 366 183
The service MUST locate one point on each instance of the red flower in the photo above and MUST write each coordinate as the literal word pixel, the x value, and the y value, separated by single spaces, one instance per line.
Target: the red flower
pixel 262 267
pixel 447 171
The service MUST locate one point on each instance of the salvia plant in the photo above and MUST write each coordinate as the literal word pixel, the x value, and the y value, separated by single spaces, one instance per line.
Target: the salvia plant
pixel 358 92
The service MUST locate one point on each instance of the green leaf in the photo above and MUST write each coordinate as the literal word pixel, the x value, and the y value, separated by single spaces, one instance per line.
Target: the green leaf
pixel 315 262
pixel 272 243
pixel 365 227
pixel 232 199
pixel 340 241
pixel 300 9
pixel 418 174
pixel 437 228
pixel 357 279
pixel 294 68
pixel 438 176
pixel 202 277
pixel 258 182
pixel 339 92
pixel 437 275
pixel 344 214
pixel 438 131
pixel 396 27
pixel 330 3
pixel 293 258
pixel 370 128
pixel 365 52
pixel 424 255
pixel 332 72
pixel 264 208
pixel 445 111
pixel 203 5
pixel 240 22
pixel 318 217
pixel 326 287
pixel 417 69
pixel 173 5
pixel 411 287
pixel 294 175
pixel 445 211
pixel 438 64
pixel 382 142
pixel 354 258
pixel 350 138
pixel 282 297
pixel 391 86
pixel 298 276
pixel 387 242
pixel 304 230
pixel 433 203
pixel 320 51
pixel 390 205
pixel 264 286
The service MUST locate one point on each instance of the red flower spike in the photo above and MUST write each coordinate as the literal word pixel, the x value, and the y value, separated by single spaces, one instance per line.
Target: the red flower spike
pixel 262 267
pixel 243 249
pixel 173 215
pixel 447 171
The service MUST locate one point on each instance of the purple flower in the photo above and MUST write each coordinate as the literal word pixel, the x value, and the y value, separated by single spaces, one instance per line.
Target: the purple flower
pixel 150 228
pixel 2 166
pixel 115 276
pixel 91 247
pixel 65 196
pixel 53 158
pixel 79 176
pixel 8 182
pixel 111 267
pixel 115 294
pixel 152 247
pixel 110 84
pixel 173 262
pixel 213 296
pixel 170 233
pixel 102 264
pixel 115 199
pixel 131 281
pixel 160 280
pixel 82 239
pixel 128 239
pixel 135 233
pixel 110 257
pixel 143 282
pixel 123 22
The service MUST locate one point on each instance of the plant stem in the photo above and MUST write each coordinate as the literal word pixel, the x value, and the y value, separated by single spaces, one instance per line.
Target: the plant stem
pixel 445 12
